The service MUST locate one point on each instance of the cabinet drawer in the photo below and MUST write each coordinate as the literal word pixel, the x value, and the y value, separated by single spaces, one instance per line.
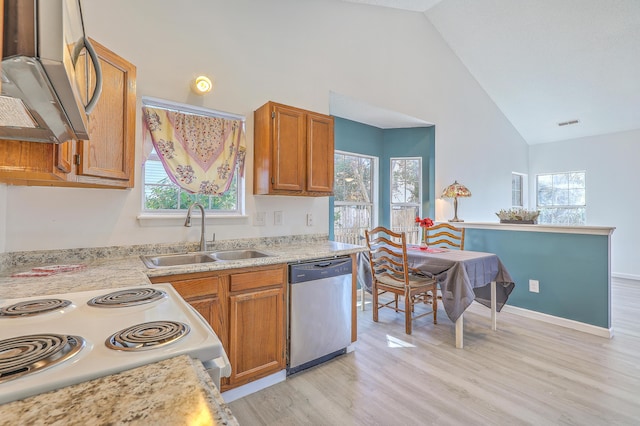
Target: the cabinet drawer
pixel 250 280
pixel 197 287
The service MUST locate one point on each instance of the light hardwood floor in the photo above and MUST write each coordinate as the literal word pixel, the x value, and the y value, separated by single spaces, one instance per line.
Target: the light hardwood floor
pixel 526 373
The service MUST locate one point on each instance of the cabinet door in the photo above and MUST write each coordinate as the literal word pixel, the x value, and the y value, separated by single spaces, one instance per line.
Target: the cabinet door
pixel 109 152
pixel 205 294
pixel 210 309
pixel 256 337
pixel 289 137
pixel 320 150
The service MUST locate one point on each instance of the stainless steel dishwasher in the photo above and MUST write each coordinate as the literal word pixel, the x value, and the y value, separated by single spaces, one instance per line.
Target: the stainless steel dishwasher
pixel 319 311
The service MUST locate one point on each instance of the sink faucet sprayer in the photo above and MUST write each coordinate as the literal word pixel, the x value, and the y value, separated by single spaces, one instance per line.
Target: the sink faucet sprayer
pixel 187 222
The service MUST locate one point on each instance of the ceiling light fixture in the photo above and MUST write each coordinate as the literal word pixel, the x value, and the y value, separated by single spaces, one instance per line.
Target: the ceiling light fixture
pixel 568 123
pixel 202 85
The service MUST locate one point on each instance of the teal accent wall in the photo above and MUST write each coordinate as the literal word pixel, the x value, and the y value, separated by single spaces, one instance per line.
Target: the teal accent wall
pixel 573 271
pixel 363 139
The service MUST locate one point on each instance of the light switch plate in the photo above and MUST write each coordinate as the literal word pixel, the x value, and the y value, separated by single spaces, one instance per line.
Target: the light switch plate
pixel 278 218
pixel 309 219
pixel 260 219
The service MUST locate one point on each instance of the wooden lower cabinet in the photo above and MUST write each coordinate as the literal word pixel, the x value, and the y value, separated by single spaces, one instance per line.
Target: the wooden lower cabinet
pixel 205 294
pixel 256 335
pixel 246 309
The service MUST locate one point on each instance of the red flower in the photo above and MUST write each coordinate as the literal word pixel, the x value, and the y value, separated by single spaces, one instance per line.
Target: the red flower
pixel 424 223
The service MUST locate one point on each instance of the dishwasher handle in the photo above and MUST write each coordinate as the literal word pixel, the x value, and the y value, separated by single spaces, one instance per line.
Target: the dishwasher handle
pixel 318 270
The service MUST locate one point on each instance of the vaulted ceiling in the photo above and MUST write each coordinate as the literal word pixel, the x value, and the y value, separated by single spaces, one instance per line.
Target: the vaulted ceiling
pixel 546 63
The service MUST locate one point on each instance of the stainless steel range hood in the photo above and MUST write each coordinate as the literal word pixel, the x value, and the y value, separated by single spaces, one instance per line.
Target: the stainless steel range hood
pixel 42 100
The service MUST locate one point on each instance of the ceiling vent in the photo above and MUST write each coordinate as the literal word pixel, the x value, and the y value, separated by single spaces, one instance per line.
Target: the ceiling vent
pixel 568 123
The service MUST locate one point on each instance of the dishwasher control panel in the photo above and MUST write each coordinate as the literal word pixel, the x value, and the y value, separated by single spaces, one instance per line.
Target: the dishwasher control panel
pixel 319 269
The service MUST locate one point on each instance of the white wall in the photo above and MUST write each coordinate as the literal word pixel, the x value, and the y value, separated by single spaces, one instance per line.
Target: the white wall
pixel 612 174
pixel 289 51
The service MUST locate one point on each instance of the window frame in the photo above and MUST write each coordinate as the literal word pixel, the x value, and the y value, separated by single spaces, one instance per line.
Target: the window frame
pixel 374 196
pixel 523 190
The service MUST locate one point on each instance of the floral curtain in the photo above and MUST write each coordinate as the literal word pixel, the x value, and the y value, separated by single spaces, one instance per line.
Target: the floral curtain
pixel 199 153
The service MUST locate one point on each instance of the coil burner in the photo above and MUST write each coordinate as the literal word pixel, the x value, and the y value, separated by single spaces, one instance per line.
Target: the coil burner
pixel 148 335
pixel 33 307
pixel 24 355
pixel 128 297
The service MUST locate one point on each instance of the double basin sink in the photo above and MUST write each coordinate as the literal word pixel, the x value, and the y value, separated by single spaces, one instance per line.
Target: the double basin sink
pixel 159 261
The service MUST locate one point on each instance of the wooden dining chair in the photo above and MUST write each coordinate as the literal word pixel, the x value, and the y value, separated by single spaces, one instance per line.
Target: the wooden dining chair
pixel 446 236
pixel 390 273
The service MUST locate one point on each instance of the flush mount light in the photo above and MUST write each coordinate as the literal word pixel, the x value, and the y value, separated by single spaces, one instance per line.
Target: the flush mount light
pixel 568 123
pixel 202 85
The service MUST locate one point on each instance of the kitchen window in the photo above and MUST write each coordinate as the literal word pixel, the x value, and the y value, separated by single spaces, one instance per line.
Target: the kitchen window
pixel 161 194
pixel 406 195
pixel 561 198
pixel 355 180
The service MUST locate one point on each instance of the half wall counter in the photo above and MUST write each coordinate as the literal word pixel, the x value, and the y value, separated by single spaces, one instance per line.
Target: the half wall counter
pixel 572 265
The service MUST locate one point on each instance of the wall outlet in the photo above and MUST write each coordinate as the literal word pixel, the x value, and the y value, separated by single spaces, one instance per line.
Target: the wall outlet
pixel 277 218
pixel 534 286
pixel 309 219
pixel 260 219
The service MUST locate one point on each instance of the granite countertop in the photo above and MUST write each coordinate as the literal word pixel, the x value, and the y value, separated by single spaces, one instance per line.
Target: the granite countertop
pixel 176 391
pixel 114 272
pixel 167 392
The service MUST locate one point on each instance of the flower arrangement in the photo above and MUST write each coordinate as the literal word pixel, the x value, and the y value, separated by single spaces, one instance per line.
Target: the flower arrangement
pixel 518 215
pixel 424 224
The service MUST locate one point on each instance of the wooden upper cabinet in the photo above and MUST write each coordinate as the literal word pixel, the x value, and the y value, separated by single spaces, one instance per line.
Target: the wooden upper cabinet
pixel 106 160
pixel 293 151
pixel 109 153
pixel 320 147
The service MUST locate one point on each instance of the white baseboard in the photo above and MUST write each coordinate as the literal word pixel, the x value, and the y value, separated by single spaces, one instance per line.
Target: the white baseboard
pixel 630 277
pixel 258 385
pixel 563 322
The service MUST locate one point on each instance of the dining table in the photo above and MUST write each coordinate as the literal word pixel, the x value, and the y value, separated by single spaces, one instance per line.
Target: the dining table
pixel 462 275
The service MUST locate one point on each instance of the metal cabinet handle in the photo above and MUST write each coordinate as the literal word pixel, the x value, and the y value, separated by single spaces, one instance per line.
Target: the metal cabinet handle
pixel 82 44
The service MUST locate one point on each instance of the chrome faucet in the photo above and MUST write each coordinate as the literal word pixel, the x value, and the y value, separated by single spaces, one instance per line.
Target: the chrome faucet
pixel 187 222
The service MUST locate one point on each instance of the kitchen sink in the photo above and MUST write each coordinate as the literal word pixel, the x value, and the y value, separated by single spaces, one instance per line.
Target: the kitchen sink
pixel 239 254
pixel 162 260
pixel 176 259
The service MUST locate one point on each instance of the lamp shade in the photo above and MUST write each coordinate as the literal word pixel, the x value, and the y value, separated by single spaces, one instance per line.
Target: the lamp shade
pixel 456 190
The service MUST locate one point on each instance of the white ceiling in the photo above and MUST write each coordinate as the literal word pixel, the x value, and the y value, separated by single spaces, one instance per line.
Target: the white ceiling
pixel 544 62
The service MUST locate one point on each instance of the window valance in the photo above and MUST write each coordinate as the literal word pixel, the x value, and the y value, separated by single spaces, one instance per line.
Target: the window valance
pixel 198 152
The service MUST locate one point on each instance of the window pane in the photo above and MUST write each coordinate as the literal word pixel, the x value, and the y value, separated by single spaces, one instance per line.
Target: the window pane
pixel 352 178
pixel 353 195
pixel 405 181
pixel 545 182
pixel 577 197
pixel 561 198
pixel 161 197
pixel 576 180
pixel 561 180
pixel 516 190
